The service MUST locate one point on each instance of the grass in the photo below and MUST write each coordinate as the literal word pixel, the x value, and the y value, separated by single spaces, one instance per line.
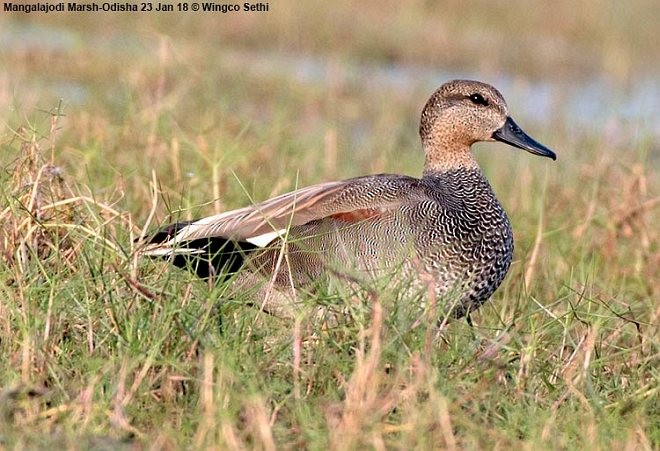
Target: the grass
pixel 99 349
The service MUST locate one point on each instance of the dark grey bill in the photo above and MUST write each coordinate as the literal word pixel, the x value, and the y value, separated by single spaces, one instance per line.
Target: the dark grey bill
pixel 511 134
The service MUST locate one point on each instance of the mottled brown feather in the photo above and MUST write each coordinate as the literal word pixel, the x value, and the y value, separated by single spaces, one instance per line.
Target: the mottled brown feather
pixel 446 230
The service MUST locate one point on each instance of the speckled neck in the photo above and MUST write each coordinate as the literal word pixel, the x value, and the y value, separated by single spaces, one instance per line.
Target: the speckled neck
pixel 439 160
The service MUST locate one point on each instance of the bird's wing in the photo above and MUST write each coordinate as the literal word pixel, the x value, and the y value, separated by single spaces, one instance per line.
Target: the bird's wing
pixel 349 200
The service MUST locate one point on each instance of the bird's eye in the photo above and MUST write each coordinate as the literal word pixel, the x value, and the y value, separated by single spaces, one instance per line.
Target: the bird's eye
pixel 478 99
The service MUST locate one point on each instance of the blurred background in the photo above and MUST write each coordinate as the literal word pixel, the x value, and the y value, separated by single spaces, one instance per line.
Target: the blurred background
pixel 229 107
pixel 327 74
pixel 223 109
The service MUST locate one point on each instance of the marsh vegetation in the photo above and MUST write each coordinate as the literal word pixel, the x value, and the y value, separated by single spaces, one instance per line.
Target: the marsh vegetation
pixel 115 124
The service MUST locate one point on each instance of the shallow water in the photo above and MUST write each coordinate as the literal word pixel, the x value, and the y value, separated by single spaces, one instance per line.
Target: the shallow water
pixel 591 103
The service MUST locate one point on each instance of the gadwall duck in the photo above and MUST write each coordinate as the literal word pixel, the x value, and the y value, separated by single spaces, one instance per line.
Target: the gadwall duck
pixel 445 233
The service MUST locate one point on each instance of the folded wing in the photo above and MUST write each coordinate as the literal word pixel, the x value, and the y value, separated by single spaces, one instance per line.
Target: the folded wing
pixel 344 200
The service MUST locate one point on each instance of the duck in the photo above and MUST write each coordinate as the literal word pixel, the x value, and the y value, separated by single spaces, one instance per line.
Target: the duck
pixel 444 234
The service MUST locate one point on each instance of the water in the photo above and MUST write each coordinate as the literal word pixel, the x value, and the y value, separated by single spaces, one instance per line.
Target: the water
pixel 590 103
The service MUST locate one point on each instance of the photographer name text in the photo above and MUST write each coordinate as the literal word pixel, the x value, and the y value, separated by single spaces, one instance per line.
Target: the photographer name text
pixel 206 7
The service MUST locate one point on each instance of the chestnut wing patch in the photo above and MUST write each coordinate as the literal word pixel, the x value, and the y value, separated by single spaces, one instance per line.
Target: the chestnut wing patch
pixel 360 215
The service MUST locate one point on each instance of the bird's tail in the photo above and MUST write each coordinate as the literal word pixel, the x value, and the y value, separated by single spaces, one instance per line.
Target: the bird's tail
pixel 213 257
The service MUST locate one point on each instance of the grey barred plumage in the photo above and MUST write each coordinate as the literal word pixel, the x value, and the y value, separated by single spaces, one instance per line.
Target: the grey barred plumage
pixel 445 231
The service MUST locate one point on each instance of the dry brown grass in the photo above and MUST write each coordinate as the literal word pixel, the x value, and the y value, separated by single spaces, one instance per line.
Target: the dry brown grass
pixel 100 349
